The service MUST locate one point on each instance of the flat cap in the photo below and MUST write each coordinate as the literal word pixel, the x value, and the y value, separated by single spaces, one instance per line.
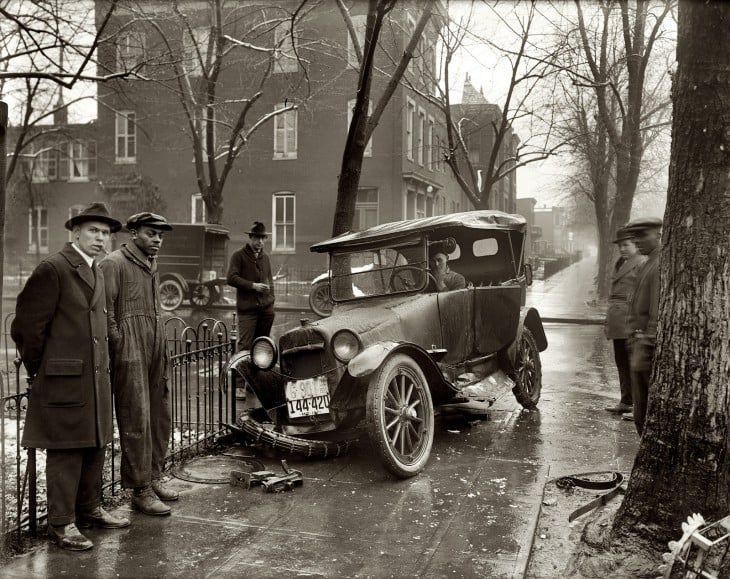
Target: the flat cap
pixel 643 223
pixel 623 233
pixel 149 219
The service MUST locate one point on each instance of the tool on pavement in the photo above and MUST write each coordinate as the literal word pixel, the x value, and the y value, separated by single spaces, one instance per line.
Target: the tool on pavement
pixel 269 481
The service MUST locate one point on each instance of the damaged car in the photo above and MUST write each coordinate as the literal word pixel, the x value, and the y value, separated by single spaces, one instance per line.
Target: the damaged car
pixel 396 353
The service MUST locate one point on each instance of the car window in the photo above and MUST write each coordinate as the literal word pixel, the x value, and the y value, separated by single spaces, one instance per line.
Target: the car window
pixel 485 247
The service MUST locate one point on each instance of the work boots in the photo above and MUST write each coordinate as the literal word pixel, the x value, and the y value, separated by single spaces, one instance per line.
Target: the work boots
pixel 102 519
pixel 164 493
pixel 145 500
pixel 69 537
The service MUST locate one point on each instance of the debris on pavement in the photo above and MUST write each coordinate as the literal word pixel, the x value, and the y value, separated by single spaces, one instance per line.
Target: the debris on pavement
pixel 269 481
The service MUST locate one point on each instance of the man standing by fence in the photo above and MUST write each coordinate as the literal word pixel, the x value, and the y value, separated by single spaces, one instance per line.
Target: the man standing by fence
pixel 250 274
pixel 60 328
pixel 139 368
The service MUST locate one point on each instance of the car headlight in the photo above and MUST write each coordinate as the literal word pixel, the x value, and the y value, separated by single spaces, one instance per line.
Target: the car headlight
pixel 263 353
pixel 345 345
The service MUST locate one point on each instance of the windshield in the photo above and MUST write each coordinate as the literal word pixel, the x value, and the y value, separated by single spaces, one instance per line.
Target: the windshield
pixel 389 269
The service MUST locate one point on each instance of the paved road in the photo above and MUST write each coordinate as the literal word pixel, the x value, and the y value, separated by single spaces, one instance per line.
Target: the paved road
pixel 470 513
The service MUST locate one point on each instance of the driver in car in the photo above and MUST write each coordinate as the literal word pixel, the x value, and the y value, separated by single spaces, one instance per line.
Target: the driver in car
pixel 446 280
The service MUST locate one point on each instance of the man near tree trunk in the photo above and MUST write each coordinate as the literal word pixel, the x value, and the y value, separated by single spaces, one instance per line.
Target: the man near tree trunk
pixel 643 313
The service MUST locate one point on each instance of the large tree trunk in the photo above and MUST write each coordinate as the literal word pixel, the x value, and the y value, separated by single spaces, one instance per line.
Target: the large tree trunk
pixel 683 464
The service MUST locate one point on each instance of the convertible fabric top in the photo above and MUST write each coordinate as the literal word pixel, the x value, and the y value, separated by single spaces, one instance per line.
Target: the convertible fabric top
pixel 485 219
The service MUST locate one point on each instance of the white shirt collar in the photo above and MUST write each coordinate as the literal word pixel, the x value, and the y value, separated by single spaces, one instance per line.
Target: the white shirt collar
pixel 87 258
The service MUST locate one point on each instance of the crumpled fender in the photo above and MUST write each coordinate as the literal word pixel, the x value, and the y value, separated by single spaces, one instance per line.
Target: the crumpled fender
pixel 530 319
pixel 370 359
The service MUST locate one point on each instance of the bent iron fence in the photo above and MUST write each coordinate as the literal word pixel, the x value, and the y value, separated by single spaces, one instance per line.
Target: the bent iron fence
pixel 201 403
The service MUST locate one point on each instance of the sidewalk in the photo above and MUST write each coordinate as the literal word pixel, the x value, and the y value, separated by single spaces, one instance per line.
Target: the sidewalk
pixel 569 296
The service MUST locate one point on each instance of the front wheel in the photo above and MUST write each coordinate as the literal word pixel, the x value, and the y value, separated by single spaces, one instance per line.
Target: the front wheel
pixel 202 295
pixel 528 371
pixel 399 416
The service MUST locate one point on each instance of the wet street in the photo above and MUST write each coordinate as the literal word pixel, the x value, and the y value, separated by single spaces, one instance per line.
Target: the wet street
pixel 470 513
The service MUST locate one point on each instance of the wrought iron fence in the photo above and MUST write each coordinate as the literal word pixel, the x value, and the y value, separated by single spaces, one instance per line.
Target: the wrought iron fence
pixel 201 405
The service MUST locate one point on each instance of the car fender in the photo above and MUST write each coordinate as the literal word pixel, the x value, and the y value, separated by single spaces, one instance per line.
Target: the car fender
pixel 179 279
pixel 374 356
pixel 530 319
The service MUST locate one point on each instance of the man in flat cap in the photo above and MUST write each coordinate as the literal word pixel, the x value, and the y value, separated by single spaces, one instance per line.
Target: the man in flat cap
pixel 137 345
pixel 250 274
pixel 643 312
pixel 623 282
pixel 60 328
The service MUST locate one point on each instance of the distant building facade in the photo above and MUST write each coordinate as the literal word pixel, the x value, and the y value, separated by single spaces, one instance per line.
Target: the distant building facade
pixel 557 237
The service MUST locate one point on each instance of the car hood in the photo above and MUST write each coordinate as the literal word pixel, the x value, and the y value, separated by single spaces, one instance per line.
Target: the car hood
pixel 412 318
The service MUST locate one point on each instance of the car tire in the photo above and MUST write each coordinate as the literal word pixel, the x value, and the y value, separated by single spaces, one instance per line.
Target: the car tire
pixel 202 296
pixel 527 371
pixel 399 416
pixel 171 294
pixel 320 300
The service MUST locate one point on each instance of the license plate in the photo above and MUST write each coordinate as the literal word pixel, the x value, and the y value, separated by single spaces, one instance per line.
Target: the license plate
pixel 308 397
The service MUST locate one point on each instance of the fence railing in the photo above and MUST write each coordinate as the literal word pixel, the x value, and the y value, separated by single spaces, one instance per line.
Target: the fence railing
pixel 201 404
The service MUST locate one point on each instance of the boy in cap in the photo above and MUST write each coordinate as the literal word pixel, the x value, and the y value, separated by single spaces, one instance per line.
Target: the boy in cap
pixel 250 274
pixel 137 345
pixel 623 281
pixel 60 328
pixel 643 312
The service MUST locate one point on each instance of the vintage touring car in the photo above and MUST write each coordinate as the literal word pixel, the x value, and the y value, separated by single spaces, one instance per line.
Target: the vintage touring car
pixel 395 352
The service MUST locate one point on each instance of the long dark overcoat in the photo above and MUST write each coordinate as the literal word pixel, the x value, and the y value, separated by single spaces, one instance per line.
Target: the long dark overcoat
pixel 623 284
pixel 61 331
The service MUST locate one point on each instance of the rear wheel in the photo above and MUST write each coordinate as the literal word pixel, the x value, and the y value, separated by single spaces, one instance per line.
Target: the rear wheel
pixel 203 295
pixel 320 300
pixel 171 294
pixel 399 416
pixel 528 371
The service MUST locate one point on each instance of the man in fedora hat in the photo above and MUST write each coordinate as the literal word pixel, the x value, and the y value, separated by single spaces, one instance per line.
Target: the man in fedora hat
pixel 643 312
pixel 623 281
pixel 139 368
pixel 250 274
pixel 60 328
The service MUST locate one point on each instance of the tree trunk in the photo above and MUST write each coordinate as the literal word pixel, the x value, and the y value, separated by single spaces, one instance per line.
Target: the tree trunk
pixel 683 465
pixel 3 136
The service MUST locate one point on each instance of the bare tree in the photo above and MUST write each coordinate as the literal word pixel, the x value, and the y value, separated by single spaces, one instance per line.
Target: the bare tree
pixel 526 104
pixel 44 47
pixel 201 46
pixel 363 124
pixel 613 125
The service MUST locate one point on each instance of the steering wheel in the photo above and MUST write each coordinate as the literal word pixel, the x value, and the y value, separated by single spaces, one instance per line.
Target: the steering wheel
pixel 400 282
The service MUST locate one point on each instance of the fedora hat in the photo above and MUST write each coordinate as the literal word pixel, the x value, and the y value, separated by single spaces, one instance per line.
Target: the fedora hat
pixel 96 211
pixel 643 224
pixel 258 229
pixel 149 219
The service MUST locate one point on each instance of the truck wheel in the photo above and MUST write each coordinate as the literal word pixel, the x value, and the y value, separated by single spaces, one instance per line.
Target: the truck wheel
pixel 528 371
pixel 171 294
pixel 202 296
pixel 399 416
pixel 320 300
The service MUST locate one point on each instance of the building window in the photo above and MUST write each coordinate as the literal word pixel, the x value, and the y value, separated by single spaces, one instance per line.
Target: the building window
pixel 350 109
pixel 195 50
pixel 420 136
pixel 284 219
pixel 410 127
pixel 45 166
pixel 197 210
pixel 126 137
pixel 285 49
pixel 410 29
pixel 37 230
pixel 130 47
pixel 81 160
pixel 358 22
pixel 430 145
pixel 366 208
pixel 285 134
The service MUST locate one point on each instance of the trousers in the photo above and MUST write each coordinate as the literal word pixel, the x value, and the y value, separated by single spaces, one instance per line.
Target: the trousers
pixel 621 356
pixel 73 479
pixel 252 324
